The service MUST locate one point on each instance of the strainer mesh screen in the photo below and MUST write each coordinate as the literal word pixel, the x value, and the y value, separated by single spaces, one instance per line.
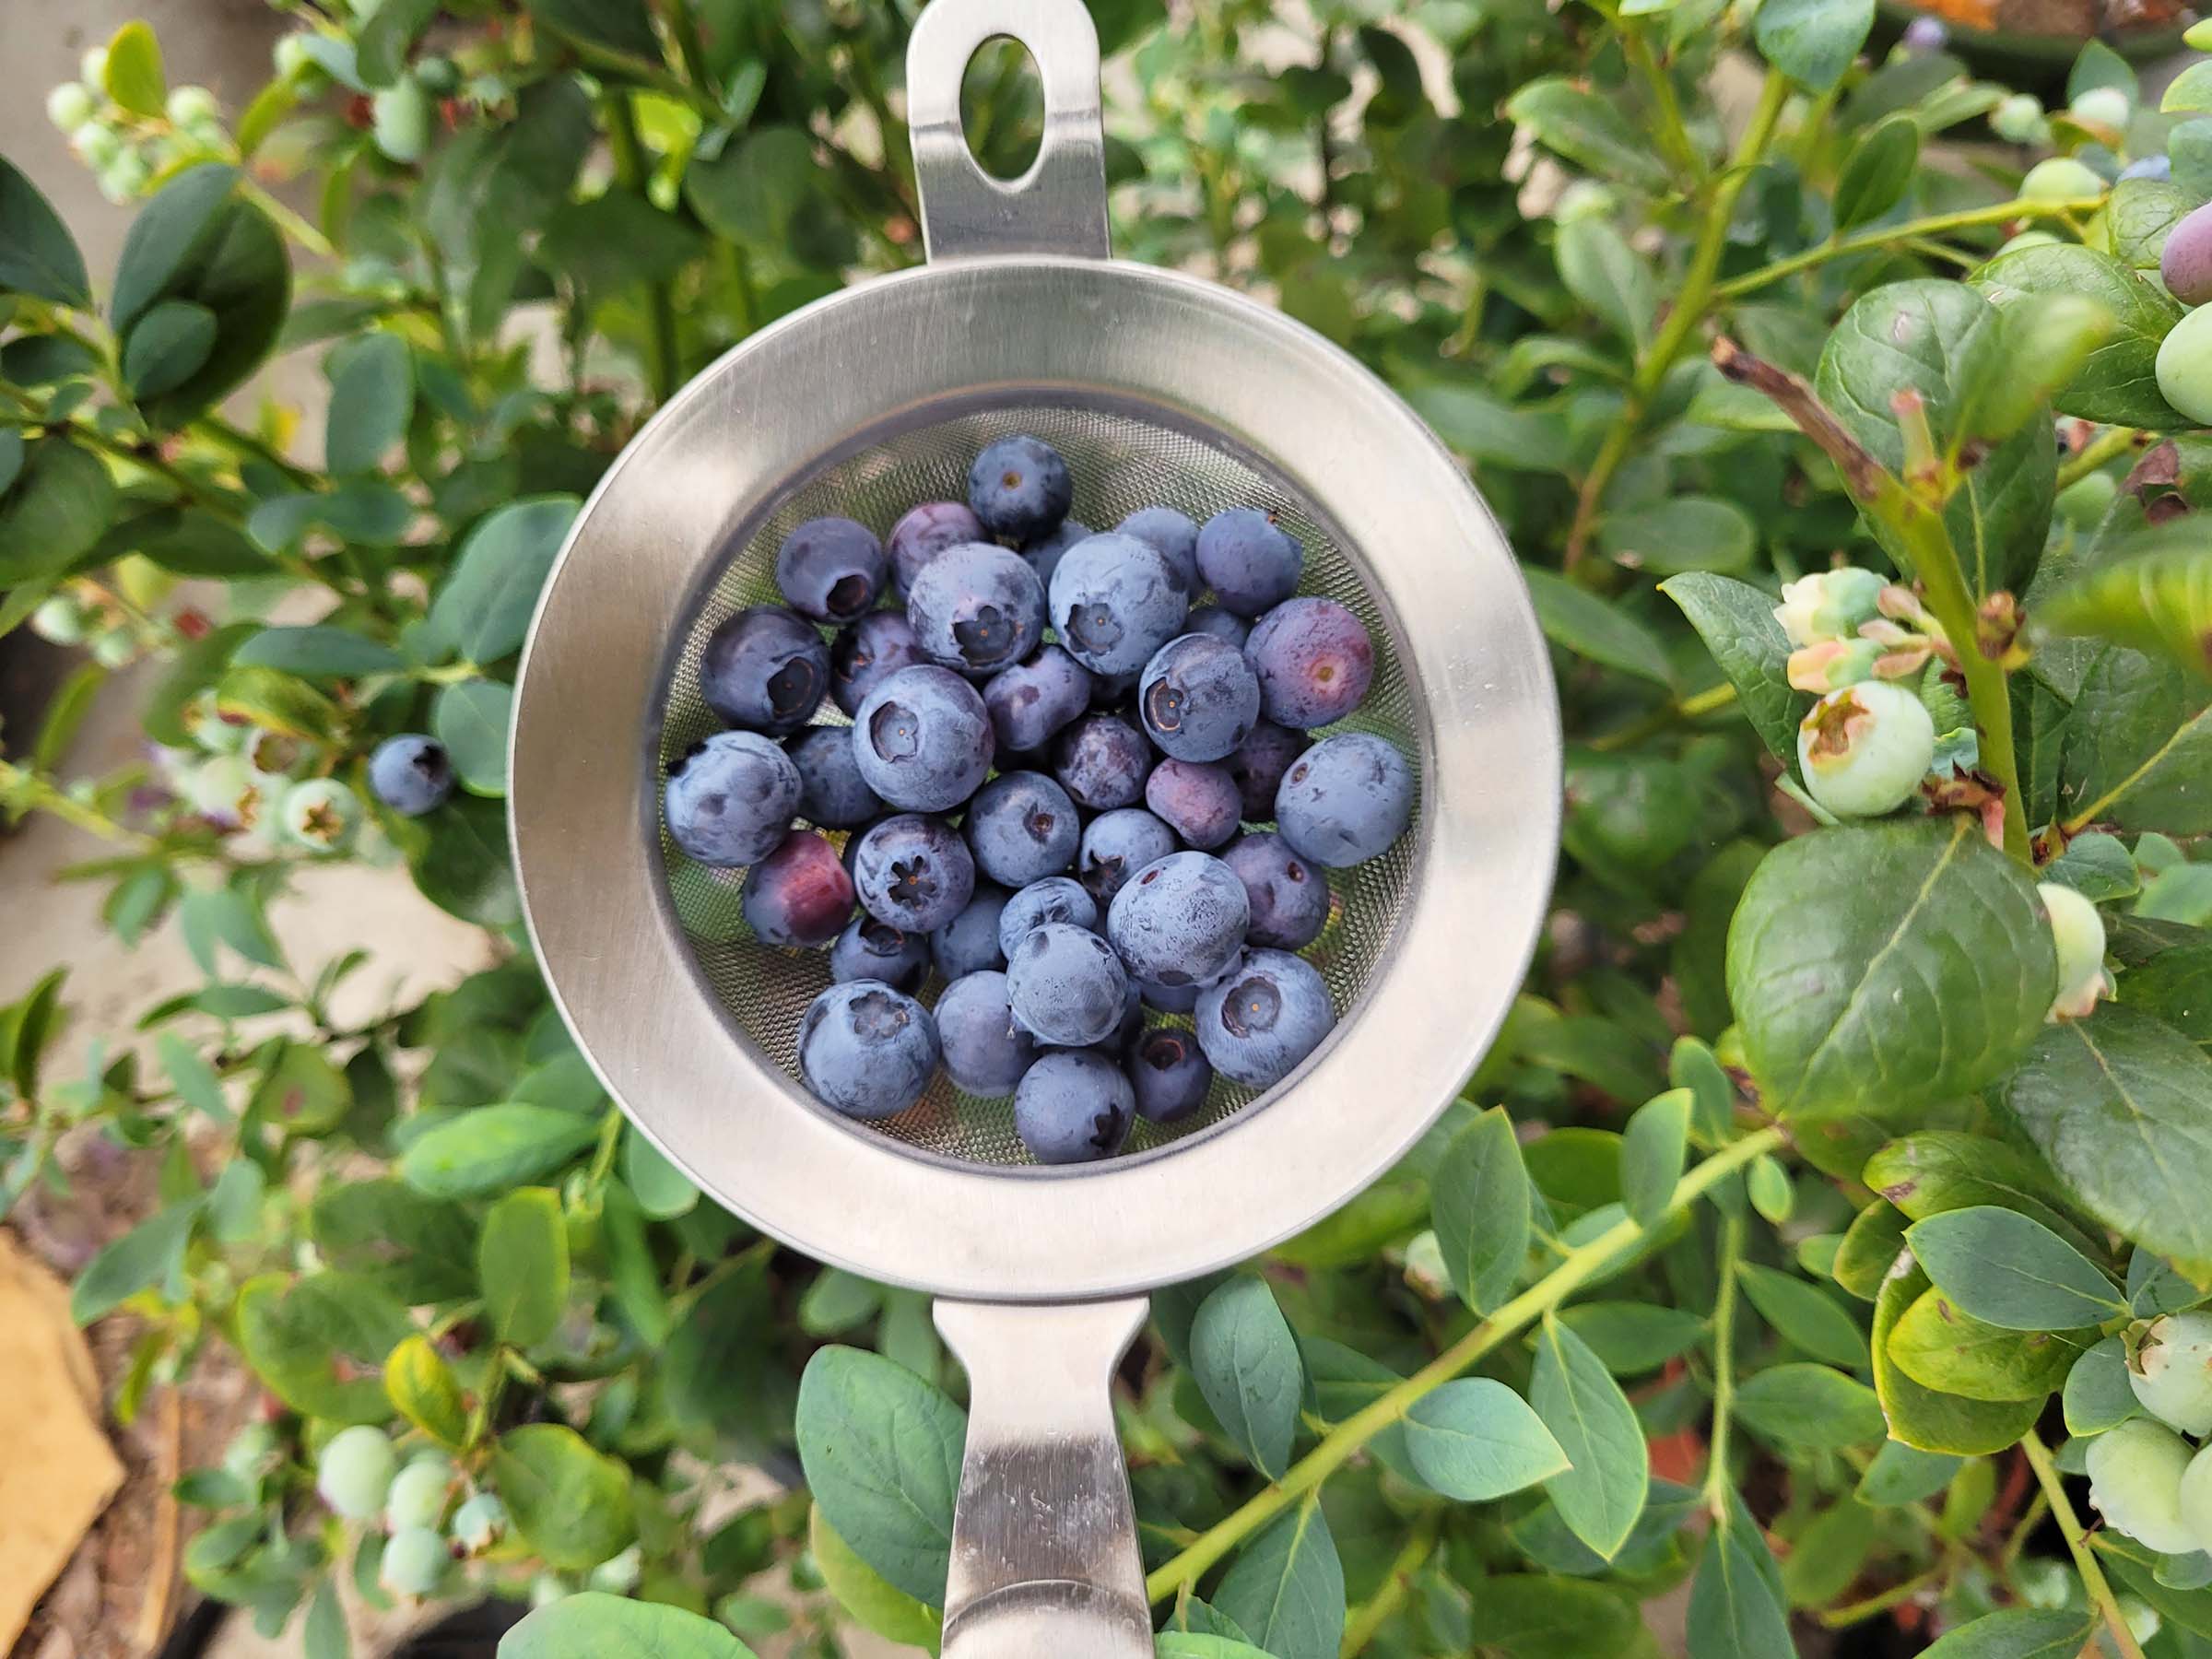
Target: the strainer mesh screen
pixel 1120 464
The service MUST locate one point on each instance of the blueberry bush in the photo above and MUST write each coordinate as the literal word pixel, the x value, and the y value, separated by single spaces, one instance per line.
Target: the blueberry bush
pixel 1835 1200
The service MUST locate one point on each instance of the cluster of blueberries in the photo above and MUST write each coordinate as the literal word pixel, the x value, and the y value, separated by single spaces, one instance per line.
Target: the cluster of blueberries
pixel 1098 869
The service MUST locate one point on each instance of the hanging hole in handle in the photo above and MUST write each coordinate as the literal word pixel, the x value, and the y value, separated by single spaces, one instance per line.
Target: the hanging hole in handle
pixel 1001 108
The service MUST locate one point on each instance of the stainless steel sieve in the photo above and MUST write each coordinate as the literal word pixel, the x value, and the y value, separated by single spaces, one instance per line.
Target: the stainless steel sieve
pixel 1158 387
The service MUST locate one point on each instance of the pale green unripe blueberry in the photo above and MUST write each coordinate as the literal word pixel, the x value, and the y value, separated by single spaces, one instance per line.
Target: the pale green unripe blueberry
pixel 321 813
pixel 2029 239
pixel 2142 1620
pixel 419 1493
pixel 70 105
pixel 1583 198
pixel 2043 1583
pixel 249 1451
pixel 113 647
pixel 2107 106
pixel 2019 118
pixel 225 789
pixel 480 1523
pixel 60 620
pixel 2196 1498
pixel 2077 930
pixel 438 76
pixel 211 730
pixel 124 177
pixel 549 1587
pixel 290 56
pixel 2135 1483
pixel 416 1561
pixel 399 119
pixel 618 1575
pixel 1828 605
pixel 2085 501
pixel 276 756
pixel 1865 749
pixel 190 105
pixel 93 68
pixel 2059 179
pixel 2172 1372
pixel 355 1472
pixel 2184 366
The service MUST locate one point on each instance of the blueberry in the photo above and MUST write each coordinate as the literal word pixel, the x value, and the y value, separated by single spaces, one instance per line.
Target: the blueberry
pixel 417 1559
pixel 2185 260
pixel 924 739
pixel 1263 1018
pixel 1223 625
pixel 356 1471
pixel 1259 764
pixel 1055 899
pixel 1169 999
pixel 1174 534
pixel 1115 602
pixel 765 669
pixel 1313 660
pixel 869 949
pixel 1132 1018
pixel 1020 487
pixel 1180 921
pixel 798 895
pixel 969 943
pixel 1198 698
pixel 1044 554
pixel 1196 799
pixel 1022 828
pixel 985 1051
pixel 1926 34
pixel 1102 760
pixel 2135 1470
pixel 1066 986
pixel 925 532
pixel 1033 700
pixel 1116 845
pixel 1169 1075
pixel 412 774
pixel 2171 1374
pixel 1345 799
pixel 730 798
pixel 832 794
pixel 874 648
pixel 1112 690
pixel 831 569
pixel 977 609
pixel 2158 167
pixel 914 873
pixel 1289 899
pixel 1864 748
pixel 865 1050
pixel 1074 1108
pixel 1249 561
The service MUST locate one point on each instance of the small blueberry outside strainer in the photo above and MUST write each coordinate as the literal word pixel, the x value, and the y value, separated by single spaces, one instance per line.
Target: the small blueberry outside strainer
pixel 1156 387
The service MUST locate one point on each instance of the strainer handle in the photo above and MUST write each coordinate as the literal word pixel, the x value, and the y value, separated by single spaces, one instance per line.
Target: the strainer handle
pixel 1044 1556
pixel 1059 205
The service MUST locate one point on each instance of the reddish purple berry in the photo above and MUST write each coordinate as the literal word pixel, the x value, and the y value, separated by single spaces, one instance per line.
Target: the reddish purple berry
pixel 925 532
pixel 1289 898
pixel 1198 799
pixel 1315 661
pixel 798 895
pixel 1258 765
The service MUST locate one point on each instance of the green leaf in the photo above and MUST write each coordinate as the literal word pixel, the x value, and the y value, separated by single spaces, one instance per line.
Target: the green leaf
pixel 423 1389
pixel 1479 1204
pixel 167 347
pixel 1813 41
pixel 1488 430
pixel 663 1191
pixel 1809 1406
pixel 2118 381
pixel 2016 1633
pixel 2189 91
pixel 1887 968
pixel 1941 1348
pixel 522 1266
pixel 1286 1587
pixel 193 1079
pixel 1828 1555
pixel 2176 987
pixel 2097 1395
pixel 318 651
pixel 2097 866
pixel 2011 1271
pixel 1589 130
pixel 633 1274
pixel 616 240
pixel 1941 1169
pixel 1475 1439
pixel 2116 1102
pixel 482 608
pixel 2156 597
pixel 1602 271
pixel 1876 171
pixel 361 510
pixel 493 1148
pixel 881 1450
pixel 57 509
pixel 1629 1339
pixel 570 1504
pixel 2136 748
pixel 134 76
pixel 595 1625
pixel 324 1635
pixel 1735 1604
pixel 381 47
pixel 37 256
pixel 1247 1366
pixel 471 717
pixel 2141 212
pixel 462 864
pixel 1737 622
pixel 1535 1615
pixel 372 400
pixel 2043 343
pixel 1683 533
pixel 1651 1150
pixel 1925 1419
pixel 1583 625
pixel 1805 1315
pixel 1199 1645
pixel 616 24
pixel 151 1253
pixel 306 1339
pixel 1601 1495
pixel 1902 1473
pixel 418 1248
pixel 874 1603
pixel 749 191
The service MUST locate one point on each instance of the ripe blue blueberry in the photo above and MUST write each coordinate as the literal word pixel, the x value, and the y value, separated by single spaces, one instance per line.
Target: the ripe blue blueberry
pixel 1263 1017
pixel 1249 561
pixel 865 1050
pixel 1198 698
pixel 1313 660
pixel 1132 1018
pixel 799 894
pixel 874 648
pixel 1289 898
pixel 1169 999
pixel 924 739
pixel 1022 828
pixel 1020 487
pixel 730 800
pixel 1116 845
pixel 925 532
pixel 986 1051
pixel 1066 986
pixel 1043 555
pixel 831 569
pixel 914 872
pixel 977 609
pixel 969 943
pixel 765 669
pixel 1168 1074
pixel 1074 1107
pixel 1223 625
pixel 869 949
pixel 1180 921
pixel 1174 534
pixel 2158 167
pixel 1112 690
pixel 1198 799
pixel 412 774
pixel 1102 760
pixel 1115 602
pixel 1345 799
pixel 1031 700
pixel 831 791
pixel 1055 899
pixel 1259 765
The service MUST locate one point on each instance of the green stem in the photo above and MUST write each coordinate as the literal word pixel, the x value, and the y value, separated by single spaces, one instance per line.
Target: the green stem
pixel 1888 236
pixel 1724 1368
pixel 2117 441
pixel 1674 136
pixel 244 443
pixel 660 297
pixel 2078 1546
pixel 1850 1613
pixel 690 50
pixel 290 223
pixel 1689 707
pixel 1368 1618
pixel 1342 1443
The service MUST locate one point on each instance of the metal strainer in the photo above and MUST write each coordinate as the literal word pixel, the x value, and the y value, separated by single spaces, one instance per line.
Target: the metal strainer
pixel 1156 387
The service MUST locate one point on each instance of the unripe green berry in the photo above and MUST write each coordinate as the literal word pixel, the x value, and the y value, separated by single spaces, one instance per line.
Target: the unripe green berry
pixel 2059 179
pixel 355 1472
pixel 438 76
pixel 274 756
pixel 70 105
pixel 2106 106
pixel 1865 749
pixel 93 68
pixel 2019 118
pixel 2172 1372
pixel 2184 366
pixel 60 620
pixel 224 788
pixel 399 119
pixel 617 1575
pixel 188 105
pixel 124 177
pixel 549 1587
pixel 114 647
pixel 417 1561
pixel 212 730
pixel 480 1523
pixel 2078 932
pixel 1828 605
pixel 2084 502
pixel 321 813
pixel 2135 1483
pixel 2196 1498
pixel 419 1493
pixel 249 1451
